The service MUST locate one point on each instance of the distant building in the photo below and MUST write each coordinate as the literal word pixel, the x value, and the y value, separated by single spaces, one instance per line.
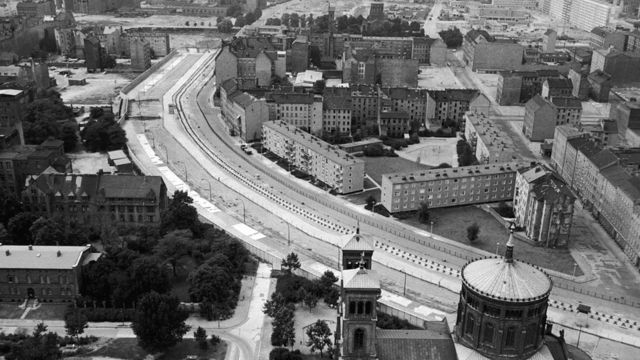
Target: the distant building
pixel 89 6
pixel 518 87
pixel 489 143
pixel 542 116
pixel 13 103
pixel 483 52
pixel 585 14
pixel 627 115
pixel 376 11
pixel 549 40
pixel 600 86
pixel 243 112
pixel 543 206
pixel 623 67
pixel 95 56
pixel 605 131
pixel 556 87
pixel 140 54
pixel 46 273
pixel 36 8
pixel 480 105
pixel 336 115
pixel 580 83
pixel 370 67
pixel 449 104
pixel 158 41
pixel 303 110
pixel 97 199
pixel 325 162
pixel 465 185
pixel 602 37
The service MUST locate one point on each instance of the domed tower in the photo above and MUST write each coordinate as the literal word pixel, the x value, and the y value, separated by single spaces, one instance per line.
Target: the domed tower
pixel 503 306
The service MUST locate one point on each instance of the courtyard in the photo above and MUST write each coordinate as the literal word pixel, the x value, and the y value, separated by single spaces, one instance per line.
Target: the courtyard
pixel 376 166
pixel 432 151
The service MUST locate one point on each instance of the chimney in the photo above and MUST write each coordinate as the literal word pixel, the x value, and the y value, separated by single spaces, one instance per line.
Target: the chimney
pixel 7 252
pixel 59 253
pixel 30 247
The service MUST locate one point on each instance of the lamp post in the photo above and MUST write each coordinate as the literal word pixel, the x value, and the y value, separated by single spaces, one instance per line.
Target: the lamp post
pixel 209 183
pixel 497 248
pixel 575 267
pixel 431 231
pixel 404 287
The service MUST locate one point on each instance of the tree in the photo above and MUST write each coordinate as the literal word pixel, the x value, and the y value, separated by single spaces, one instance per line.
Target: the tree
pixel 291 262
pixel 18 228
pixel 217 286
pixel 147 274
pixel 327 280
pixel 102 133
pixel 180 214
pixel 173 247
pixel 472 232
pixel 75 321
pixel 318 86
pixel 423 212
pixel 284 327
pixel 273 306
pixel 505 210
pixel 225 26
pixel 41 345
pixel 249 18
pixel 159 323
pixel 451 37
pixel 284 354
pixel 310 299
pixel 187 23
pixel 10 206
pixel 240 22
pixel 214 340
pixel 200 336
pixel 285 19
pixel 45 231
pixel 319 336
pixel 274 21
pixel 234 11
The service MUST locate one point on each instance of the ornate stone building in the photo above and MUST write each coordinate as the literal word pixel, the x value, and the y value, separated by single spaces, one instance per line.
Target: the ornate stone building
pixel 503 307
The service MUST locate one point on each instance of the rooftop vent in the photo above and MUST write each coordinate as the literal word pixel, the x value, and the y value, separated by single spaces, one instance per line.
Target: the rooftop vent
pixel 30 247
pixel 59 253
pixel 7 252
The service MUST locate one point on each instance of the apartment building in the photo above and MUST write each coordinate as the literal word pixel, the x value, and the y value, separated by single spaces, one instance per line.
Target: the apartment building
pixel 489 143
pixel 336 115
pixel 543 206
pixel 97 199
pixel 601 180
pixel 450 104
pixel 555 87
pixel 243 112
pixel 140 54
pixel 587 14
pixel 622 67
pixel 364 107
pixel 325 162
pixel 413 102
pixel 518 87
pixel 303 110
pixel 542 116
pixel 516 4
pixel 13 104
pixel 483 52
pixel 448 187
pixel 603 37
pixel 375 67
pixel 158 41
pixel 36 8
pixel 46 273
pixel 393 123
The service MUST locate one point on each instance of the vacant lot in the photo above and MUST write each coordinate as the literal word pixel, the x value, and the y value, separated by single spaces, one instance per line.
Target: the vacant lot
pixel 452 223
pixel 376 166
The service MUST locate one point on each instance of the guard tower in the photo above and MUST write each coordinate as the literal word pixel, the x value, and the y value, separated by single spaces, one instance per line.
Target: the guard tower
pixel 356 249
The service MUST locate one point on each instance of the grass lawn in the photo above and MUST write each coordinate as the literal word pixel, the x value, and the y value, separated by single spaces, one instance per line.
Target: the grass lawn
pixel 48 311
pixel 453 222
pixel 129 349
pixel 376 166
pixel 10 311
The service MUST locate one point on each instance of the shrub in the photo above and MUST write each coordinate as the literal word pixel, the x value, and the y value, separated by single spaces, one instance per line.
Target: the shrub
pixel 289 287
pixel 472 232
pixel 108 314
pixel 284 354
pixel 392 322
pixel 505 210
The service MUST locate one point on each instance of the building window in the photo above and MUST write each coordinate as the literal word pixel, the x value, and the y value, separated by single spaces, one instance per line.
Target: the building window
pixel 360 307
pixel 358 339
pixel 531 335
pixel 510 340
pixel 487 336
pixel 471 323
pixel 352 307
pixel 367 308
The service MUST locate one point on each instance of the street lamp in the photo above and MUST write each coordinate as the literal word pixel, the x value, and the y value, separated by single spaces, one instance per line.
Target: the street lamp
pixel 208 182
pixel 288 233
pixel 497 247
pixel 244 211
pixel 404 287
pixel 431 229
pixel 575 267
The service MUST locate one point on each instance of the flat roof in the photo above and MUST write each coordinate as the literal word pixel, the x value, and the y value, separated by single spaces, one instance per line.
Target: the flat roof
pixel 332 152
pixel 491 135
pixel 10 92
pixel 360 143
pixel 40 257
pixel 452 173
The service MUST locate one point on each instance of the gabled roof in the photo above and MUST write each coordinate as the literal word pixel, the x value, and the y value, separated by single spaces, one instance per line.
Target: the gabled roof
pixel 360 279
pixel 92 185
pixel 555 83
pixel 356 242
pixel 536 102
pixel 414 345
pixel 474 34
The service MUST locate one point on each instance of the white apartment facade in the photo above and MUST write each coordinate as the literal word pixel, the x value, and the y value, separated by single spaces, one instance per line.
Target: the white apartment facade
pixel 587 14
pixel 325 162
pixel 300 110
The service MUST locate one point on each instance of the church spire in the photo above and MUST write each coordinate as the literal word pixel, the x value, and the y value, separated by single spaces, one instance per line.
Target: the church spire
pixel 508 254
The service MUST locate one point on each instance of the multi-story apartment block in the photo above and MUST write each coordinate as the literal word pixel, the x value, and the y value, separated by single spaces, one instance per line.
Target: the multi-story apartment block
pixel 251 61
pixel 463 185
pixel 89 6
pixel 111 37
pixel 556 87
pixel 97 199
pixel 372 67
pixel 549 40
pixel 605 131
pixel 364 107
pixel 140 54
pixel 13 104
pixel 450 104
pixel 489 143
pixel 543 205
pixel 633 41
pixel 158 41
pixel 600 86
pixel 516 4
pixel 587 14
pixel 303 110
pixel 243 112
pixel 46 273
pixel 517 87
pixel 483 52
pixel 602 37
pixel 542 116
pixel 36 8
pixel 336 115
pixel 623 67
pixel 393 123
pixel 17 163
pixel 413 102
pixel 325 162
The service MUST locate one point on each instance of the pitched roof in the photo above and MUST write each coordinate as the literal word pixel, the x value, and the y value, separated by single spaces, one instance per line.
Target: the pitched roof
pixel 414 345
pixel 585 145
pixel 243 99
pixel 337 103
pixel 41 257
pixel 556 83
pixel 90 185
pixel 603 159
pixel 536 102
pixel 291 98
pixel 356 242
pixel 360 279
pixel 474 34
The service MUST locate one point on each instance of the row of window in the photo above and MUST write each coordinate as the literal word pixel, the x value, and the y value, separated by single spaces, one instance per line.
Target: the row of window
pixel 360 307
pixel 44 291
pixel 413 205
pixel 44 279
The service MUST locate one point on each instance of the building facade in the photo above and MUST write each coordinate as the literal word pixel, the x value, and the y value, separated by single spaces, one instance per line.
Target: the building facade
pixel 465 185
pixel 489 143
pixel 482 52
pixel 543 206
pixel 13 103
pixel 140 54
pixel 243 112
pixel 46 273
pixel 587 14
pixel 542 116
pixel 325 162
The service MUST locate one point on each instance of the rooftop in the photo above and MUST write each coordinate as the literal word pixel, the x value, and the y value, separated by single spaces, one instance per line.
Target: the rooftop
pixel 360 279
pixel 92 185
pixel 563 83
pixel 10 92
pixel 452 173
pixel 414 345
pixel 356 242
pixel 41 257
pixel 494 139
pixel 311 142
pixel 503 278
pixel 566 102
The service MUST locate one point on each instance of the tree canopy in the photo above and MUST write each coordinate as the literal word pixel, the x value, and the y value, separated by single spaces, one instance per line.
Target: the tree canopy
pixel 102 132
pixel 319 337
pixel 452 37
pixel 159 323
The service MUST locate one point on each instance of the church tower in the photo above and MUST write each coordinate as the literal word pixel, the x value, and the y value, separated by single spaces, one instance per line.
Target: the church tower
pixel 359 292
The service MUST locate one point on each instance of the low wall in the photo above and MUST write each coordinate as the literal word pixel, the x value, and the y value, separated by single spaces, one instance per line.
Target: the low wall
pixel 142 77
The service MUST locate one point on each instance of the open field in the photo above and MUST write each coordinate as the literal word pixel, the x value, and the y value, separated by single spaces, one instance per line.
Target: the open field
pixel 100 88
pixel 436 77
pixel 452 223
pixel 376 166
pixel 432 151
